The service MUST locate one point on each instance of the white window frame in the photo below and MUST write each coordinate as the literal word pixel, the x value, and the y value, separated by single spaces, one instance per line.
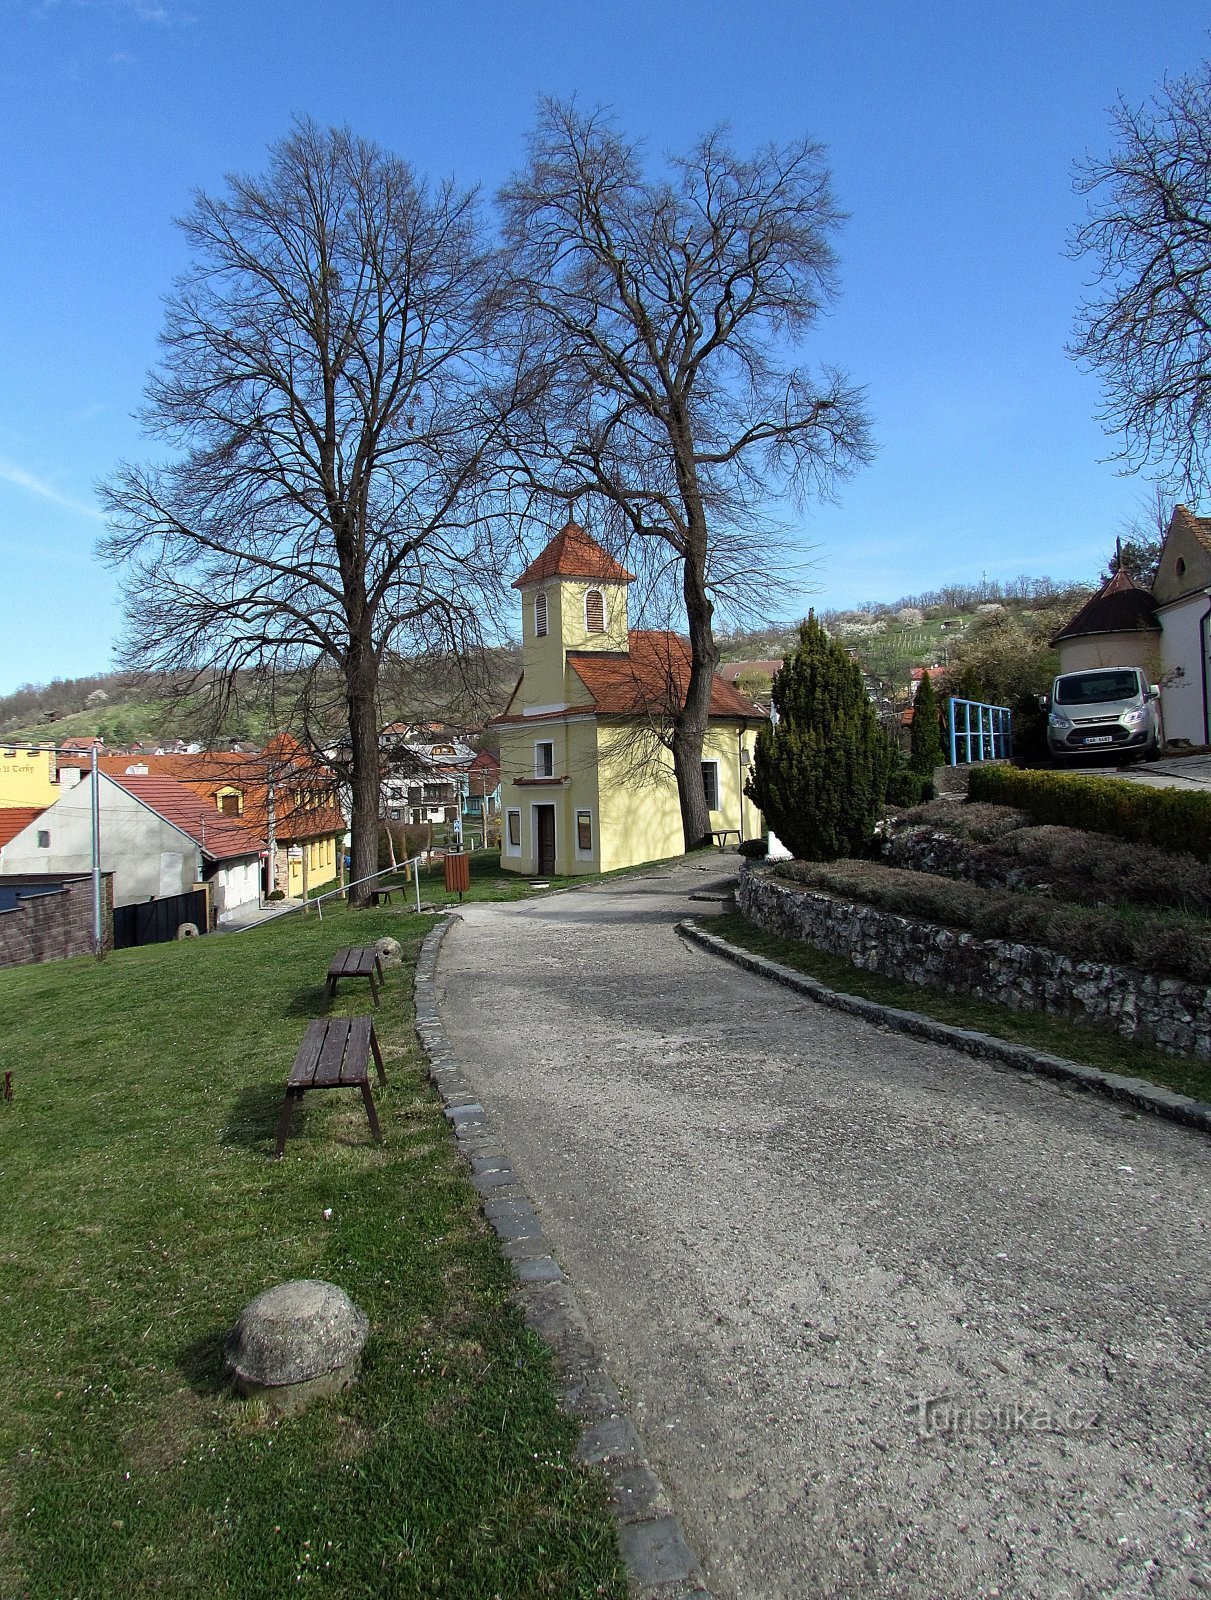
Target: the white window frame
pixel 584 811
pixel 600 593
pixel 716 808
pixel 541 614
pixel 512 849
pixel 544 744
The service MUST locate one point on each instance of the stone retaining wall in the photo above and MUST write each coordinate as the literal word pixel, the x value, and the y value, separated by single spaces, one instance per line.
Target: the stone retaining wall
pixel 1170 1013
pixel 49 927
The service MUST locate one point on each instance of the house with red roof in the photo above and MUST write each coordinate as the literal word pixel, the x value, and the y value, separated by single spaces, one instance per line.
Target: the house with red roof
pixel 587 780
pixel 158 838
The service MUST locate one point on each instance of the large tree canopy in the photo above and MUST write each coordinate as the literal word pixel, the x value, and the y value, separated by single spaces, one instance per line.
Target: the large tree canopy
pixel 325 407
pixel 1145 328
pixel 663 316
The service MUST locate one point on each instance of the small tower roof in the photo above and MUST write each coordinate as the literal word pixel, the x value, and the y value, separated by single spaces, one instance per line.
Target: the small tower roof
pixel 573 553
pixel 1119 606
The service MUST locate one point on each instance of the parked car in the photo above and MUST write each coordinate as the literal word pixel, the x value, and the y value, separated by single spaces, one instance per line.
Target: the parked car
pixel 1112 709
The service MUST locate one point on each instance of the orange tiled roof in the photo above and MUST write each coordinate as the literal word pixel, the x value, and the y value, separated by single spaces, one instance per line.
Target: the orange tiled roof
pixel 573 553
pixel 220 837
pixel 15 819
pixel 650 678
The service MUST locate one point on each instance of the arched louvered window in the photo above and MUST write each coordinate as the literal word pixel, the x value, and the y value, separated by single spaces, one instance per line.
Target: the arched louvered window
pixel 540 613
pixel 594 611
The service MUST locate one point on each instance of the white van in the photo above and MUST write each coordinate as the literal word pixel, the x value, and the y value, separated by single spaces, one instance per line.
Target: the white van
pixel 1114 709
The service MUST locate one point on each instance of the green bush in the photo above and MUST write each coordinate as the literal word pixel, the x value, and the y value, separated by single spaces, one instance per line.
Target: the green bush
pixel 1169 819
pixel 925 751
pixel 820 775
pixel 755 849
pixel 906 787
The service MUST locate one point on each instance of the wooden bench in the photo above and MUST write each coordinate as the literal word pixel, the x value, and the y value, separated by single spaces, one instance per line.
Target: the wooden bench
pixel 721 836
pixel 381 896
pixel 334 1055
pixel 359 961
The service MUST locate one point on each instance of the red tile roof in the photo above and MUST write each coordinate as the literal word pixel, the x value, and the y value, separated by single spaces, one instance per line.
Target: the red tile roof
pixel 651 678
pixel 220 837
pixel 573 553
pixel 1119 606
pixel 15 819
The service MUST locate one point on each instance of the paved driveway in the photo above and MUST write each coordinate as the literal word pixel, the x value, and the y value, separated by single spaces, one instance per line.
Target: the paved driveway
pixel 890 1321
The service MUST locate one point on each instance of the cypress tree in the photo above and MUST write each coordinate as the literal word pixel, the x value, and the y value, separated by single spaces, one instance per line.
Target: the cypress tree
pixel 925 749
pixel 820 774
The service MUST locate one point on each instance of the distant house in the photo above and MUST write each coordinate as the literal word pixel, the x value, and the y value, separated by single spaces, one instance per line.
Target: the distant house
pixel 1182 590
pixel 481 802
pixel 1116 627
pixel 587 782
pixel 424 779
pixel 158 839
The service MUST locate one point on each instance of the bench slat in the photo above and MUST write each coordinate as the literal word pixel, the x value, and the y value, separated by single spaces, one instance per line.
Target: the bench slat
pixel 332 1056
pixel 304 1066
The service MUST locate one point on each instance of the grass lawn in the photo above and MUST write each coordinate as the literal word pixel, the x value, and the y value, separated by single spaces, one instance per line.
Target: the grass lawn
pixel 141 1210
pixel 1093 1047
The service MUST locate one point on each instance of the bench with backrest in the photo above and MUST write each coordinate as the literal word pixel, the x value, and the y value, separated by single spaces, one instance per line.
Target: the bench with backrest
pixel 359 961
pixel 334 1054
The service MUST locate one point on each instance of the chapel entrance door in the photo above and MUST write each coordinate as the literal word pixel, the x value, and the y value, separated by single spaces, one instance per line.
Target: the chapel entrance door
pixel 544 817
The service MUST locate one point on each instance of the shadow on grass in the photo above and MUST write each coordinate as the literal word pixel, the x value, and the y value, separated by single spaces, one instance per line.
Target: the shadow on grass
pixel 311 1001
pixel 202 1365
pixel 253 1118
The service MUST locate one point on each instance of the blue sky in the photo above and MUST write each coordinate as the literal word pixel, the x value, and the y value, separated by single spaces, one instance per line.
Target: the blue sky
pixel 951 129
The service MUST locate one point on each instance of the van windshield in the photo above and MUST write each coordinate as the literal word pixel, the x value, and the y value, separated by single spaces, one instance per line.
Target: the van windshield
pixel 1095 688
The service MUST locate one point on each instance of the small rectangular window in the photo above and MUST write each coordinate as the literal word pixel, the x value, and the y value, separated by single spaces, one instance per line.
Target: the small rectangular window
pixel 43 839
pixel 584 831
pixel 710 782
pixel 514 833
pixel 544 760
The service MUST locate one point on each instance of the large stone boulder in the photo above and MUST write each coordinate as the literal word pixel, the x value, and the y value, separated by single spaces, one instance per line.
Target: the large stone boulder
pixel 296 1342
pixel 390 952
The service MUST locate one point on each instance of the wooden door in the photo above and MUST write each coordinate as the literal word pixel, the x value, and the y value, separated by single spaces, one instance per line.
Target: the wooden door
pixel 545 819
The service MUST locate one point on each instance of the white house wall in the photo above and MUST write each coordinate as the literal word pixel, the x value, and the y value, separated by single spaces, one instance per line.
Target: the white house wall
pixel 149 858
pixel 1185 668
pixel 235 883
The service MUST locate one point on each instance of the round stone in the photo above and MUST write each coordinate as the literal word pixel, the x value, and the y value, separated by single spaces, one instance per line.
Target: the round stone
pixel 390 952
pixel 295 1342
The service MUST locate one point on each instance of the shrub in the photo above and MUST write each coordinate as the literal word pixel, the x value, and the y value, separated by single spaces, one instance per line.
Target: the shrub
pixel 925 751
pixel 755 849
pixel 820 774
pixel 1154 943
pixel 906 787
pixel 1169 819
pixel 971 821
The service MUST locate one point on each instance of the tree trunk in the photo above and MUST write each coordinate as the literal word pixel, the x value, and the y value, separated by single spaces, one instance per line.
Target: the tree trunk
pixel 690 724
pixel 361 674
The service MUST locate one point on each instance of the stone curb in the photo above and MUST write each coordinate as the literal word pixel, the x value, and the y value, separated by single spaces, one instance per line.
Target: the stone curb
pixel 659 1563
pixel 1134 1091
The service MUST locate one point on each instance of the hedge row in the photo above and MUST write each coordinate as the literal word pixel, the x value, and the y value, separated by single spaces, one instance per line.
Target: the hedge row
pixel 1172 945
pixel 1169 819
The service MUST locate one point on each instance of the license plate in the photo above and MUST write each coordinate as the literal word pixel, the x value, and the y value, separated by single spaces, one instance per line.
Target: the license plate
pixel 1100 738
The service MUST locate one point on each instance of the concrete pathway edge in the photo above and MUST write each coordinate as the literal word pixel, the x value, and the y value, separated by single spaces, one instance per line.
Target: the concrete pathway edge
pixel 1136 1092
pixel 659 1562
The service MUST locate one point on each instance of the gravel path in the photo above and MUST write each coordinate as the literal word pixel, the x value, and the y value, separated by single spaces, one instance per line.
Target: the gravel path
pixel 891 1321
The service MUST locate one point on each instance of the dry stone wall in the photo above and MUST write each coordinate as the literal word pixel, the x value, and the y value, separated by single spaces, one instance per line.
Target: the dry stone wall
pixel 1171 1013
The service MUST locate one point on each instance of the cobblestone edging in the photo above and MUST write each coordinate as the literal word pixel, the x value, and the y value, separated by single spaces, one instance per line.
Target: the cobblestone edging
pixel 1134 1091
pixel 1171 1013
pixel 659 1563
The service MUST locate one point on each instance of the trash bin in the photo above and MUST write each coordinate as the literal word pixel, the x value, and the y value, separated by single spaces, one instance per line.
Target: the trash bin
pixel 458 871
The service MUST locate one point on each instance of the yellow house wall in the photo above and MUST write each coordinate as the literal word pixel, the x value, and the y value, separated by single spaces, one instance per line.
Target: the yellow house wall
pixel 27 777
pixel 574 755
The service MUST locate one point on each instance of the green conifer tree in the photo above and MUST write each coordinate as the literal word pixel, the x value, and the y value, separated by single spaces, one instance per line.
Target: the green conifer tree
pixel 820 774
pixel 925 748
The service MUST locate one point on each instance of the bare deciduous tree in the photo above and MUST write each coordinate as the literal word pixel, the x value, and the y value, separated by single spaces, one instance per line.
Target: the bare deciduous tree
pixel 325 401
pixel 1146 327
pixel 664 315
